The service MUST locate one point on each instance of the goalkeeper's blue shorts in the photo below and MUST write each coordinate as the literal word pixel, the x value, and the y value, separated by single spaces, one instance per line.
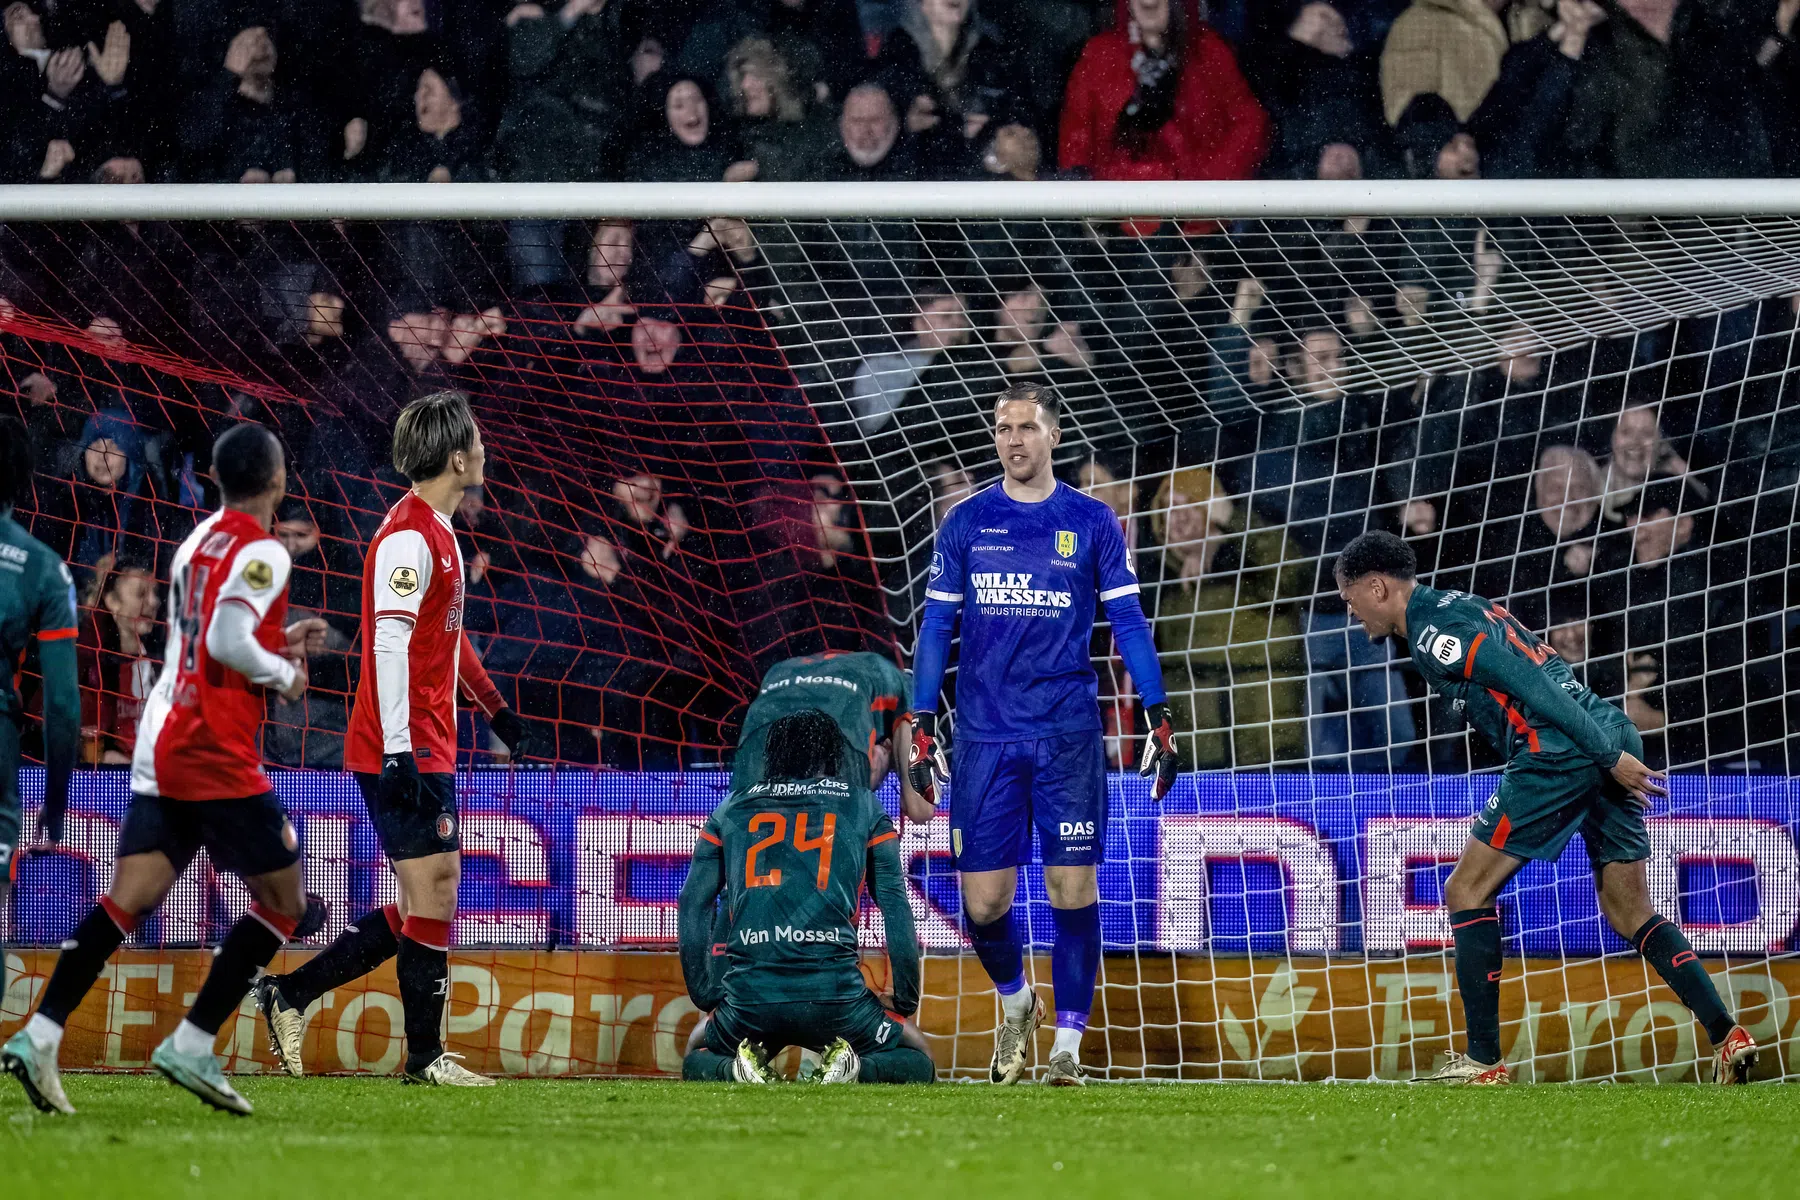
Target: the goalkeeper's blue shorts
pixel 1000 790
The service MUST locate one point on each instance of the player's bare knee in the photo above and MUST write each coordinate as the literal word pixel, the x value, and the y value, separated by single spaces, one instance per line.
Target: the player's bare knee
pixel 985 910
pixel 1465 891
pixel 1072 887
pixel 281 892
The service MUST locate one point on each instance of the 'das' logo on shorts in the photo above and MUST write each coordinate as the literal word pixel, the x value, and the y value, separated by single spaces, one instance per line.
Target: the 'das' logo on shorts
pixel 446 827
pixel 1446 649
pixel 404 581
pixel 1071 829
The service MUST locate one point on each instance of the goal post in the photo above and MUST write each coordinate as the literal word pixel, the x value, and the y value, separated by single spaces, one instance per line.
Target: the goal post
pixel 725 421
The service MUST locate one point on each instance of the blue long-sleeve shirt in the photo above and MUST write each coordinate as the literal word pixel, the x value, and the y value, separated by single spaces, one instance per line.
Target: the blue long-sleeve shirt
pixel 1027 580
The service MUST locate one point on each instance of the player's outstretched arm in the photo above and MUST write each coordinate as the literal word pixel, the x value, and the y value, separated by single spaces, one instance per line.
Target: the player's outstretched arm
pixel 694 918
pixel 887 884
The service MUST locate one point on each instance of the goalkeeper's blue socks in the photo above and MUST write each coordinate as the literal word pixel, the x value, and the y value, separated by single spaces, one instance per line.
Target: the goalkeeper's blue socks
pixel 1477 934
pixel 997 946
pixel 1661 942
pixel 1074 962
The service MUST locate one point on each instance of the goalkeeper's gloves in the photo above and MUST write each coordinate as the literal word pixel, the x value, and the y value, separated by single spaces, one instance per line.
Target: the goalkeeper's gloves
pixel 1160 759
pixel 399 788
pixel 926 766
pixel 522 740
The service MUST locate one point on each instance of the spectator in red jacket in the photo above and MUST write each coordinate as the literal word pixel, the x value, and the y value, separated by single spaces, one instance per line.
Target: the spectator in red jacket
pixel 1161 97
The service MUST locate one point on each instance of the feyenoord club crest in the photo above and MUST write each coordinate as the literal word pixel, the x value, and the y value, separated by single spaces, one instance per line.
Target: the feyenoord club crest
pixel 446 827
pixel 404 581
pixel 1065 543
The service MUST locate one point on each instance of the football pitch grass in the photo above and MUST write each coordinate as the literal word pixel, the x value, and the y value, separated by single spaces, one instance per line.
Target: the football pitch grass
pixel 137 1137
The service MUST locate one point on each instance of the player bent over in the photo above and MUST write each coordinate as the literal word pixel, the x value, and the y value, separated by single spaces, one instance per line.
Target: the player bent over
pixel 865 694
pixel 37 599
pixel 1026 562
pixel 1572 762
pixel 197 780
pixel 401 745
pixel 791 854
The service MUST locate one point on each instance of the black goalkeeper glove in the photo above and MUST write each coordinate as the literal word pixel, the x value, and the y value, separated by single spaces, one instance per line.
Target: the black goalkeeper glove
pixel 1160 758
pixel 522 740
pixel 926 764
pixel 399 789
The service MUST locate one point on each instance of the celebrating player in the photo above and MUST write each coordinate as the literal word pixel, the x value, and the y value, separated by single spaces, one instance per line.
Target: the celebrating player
pixel 1025 562
pixel 197 780
pixel 864 693
pixel 401 745
pixel 1572 762
pixel 791 854
pixel 38 599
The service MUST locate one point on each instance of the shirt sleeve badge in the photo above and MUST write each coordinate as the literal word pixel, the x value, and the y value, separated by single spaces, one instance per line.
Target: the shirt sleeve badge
pixel 404 581
pixel 259 575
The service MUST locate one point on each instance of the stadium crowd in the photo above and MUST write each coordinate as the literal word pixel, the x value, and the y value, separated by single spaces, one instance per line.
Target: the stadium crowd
pixel 684 411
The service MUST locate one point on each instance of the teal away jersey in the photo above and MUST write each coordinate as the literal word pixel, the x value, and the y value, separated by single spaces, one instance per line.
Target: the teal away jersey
pixel 794 856
pixel 864 693
pixel 1516 691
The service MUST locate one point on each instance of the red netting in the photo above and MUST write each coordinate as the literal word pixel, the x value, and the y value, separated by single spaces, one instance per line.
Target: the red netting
pixel 663 517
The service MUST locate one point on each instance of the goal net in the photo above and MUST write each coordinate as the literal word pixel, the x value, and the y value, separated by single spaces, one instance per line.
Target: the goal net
pixel 719 442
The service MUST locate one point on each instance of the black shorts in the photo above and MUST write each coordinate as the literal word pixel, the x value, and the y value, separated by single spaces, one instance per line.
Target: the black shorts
pixel 426 828
pixel 247 837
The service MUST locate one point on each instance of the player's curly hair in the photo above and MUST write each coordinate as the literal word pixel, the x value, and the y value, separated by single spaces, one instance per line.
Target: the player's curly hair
pixel 1376 552
pixel 804 745
pixel 15 462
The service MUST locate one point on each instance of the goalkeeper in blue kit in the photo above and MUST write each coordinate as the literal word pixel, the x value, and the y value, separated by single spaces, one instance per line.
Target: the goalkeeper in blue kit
pixel 1025 563
pixel 1572 763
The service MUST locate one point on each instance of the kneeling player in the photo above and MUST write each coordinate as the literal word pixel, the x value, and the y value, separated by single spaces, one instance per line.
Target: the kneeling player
pixel 791 853
pixel 1571 763
pixel 197 780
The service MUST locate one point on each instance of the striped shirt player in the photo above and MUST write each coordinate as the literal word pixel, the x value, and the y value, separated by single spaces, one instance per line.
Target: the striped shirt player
pixel 1573 764
pixel 1026 565
pixel 197 779
pixel 401 743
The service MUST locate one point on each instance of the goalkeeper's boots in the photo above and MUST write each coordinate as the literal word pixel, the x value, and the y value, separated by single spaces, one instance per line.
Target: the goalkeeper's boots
pixel 286 1025
pixel 1464 1071
pixel 839 1064
pixel 752 1064
pixel 446 1070
pixel 1013 1044
pixel 34 1066
pixel 1736 1057
pixel 1064 1071
pixel 199 1074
